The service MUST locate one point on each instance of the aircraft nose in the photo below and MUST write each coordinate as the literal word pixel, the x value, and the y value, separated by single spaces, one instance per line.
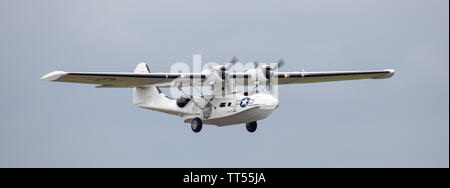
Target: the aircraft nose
pixel 270 103
pixel 273 101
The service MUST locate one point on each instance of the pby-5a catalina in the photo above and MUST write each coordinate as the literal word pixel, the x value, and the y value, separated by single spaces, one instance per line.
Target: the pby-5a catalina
pixel 224 105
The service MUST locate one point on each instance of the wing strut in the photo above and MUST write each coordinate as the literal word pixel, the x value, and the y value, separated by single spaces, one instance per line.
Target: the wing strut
pixel 203 96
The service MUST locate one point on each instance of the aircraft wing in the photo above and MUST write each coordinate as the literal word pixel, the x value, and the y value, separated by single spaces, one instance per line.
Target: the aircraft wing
pixel 313 77
pixel 113 80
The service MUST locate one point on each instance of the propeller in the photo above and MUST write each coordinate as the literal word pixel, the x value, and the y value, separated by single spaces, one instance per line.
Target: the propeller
pixel 227 66
pixel 268 71
pixel 280 63
pixel 233 61
pixel 255 64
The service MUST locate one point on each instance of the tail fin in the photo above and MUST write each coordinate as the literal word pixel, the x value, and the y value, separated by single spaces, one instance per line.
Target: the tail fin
pixel 142 68
pixel 146 96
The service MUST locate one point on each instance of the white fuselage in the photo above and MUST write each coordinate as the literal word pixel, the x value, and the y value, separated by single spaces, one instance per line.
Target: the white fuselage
pixel 241 109
pixel 225 110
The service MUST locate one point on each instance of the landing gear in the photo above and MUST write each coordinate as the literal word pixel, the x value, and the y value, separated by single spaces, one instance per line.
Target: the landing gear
pixel 196 125
pixel 251 127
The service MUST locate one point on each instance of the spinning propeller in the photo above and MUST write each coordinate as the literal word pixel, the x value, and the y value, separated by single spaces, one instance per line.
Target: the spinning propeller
pixel 267 71
pixel 259 73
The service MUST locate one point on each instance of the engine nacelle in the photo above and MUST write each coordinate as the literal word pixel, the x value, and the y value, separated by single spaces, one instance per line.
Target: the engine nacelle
pixel 258 75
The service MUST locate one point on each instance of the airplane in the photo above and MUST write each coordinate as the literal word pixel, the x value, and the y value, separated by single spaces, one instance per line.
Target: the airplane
pixel 225 105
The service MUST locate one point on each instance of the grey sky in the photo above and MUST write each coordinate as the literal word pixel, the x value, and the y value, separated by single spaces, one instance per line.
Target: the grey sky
pixel 398 122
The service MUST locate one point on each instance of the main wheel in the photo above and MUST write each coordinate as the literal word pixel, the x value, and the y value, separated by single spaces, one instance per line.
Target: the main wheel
pixel 251 127
pixel 196 125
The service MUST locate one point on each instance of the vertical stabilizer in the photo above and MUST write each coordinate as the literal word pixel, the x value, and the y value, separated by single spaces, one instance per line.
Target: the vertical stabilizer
pixel 146 96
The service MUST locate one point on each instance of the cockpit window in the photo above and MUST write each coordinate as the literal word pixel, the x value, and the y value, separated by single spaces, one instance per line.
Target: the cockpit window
pixel 222 104
pixel 229 104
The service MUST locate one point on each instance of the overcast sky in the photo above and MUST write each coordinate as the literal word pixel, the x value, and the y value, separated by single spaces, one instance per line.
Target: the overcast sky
pixel 397 122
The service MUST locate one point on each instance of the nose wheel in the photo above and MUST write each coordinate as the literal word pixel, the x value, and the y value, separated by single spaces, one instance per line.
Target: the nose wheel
pixel 251 127
pixel 196 125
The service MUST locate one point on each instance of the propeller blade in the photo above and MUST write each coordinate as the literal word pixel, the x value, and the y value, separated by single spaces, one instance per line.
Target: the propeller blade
pixel 233 61
pixel 280 63
pixel 255 63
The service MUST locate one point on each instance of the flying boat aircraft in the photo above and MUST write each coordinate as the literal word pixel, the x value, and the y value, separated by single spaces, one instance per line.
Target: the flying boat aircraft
pixel 225 105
